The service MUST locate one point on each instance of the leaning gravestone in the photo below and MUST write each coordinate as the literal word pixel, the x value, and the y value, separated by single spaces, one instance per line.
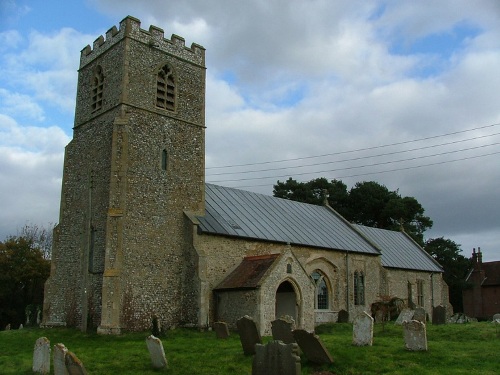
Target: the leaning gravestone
pixel 59 355
pixel 439 315
pixel 282 329
pixel 155 348
pixel 73 365
pixel 404 315
pixel 362 330
pixel 221 330
pixel 415 335
pixel 41 356
pixel 420 315
pixel 343 317
pixel 249 334
pixel 312 346
pixel 276 358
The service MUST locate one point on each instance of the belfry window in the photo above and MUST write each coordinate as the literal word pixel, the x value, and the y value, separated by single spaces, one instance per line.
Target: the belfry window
pixel 359 288
pixel 321 300
pixel 97 88
pixel 165 89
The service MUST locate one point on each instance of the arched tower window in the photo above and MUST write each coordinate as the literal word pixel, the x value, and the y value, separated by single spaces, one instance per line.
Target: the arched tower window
pixel 165 89
pixel 97 88
pixel 359 288
pixel 322 297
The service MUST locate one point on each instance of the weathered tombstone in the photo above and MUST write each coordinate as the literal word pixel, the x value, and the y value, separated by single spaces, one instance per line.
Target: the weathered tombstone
pixel 420 315
pixel 496 317
pixel 415 335
pixel 155 348
pixel 343 316
pixel 282 329
pixel 221 330
pixel 41 356
pixel 73 365
pixel 380 316
pixel 7 327
pixel 276 358
pixel 21 326
pixel 404 315
pixel 59 355
pixel 312 346
pixel 249 334
pixel 362 330
pixel 439 315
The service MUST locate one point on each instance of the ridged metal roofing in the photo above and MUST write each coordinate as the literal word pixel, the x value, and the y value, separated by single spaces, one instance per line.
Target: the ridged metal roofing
pixel 240 213
pixel 399 250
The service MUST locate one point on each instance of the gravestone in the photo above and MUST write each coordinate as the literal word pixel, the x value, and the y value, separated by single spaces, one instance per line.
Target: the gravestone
pixel 41 356
pixel 496 318
pixel 7 327
pixel 73 365
pixel 249 334
pixel 404 315
pixel 362 330
pixel 282 329
pixel 415 335
pixel 155 348
pixel 276 358
pixel 343 317
pixel 221 330
pixel 439 315
pixel 59 355
pixel 21 326
pixel 380 316
pixel 420 315
pixel 312 346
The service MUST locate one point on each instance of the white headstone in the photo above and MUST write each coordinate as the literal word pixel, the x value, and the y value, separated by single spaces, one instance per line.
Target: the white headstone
pixel 156 352
pixel 41 356
pixel 362 331
pixel 60 359
pixel 415 335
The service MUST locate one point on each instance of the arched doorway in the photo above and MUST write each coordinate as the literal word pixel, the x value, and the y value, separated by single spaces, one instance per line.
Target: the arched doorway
pixel 286 301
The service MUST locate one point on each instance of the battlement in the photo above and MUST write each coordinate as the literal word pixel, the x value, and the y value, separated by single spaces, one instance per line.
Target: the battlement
pixel 154 37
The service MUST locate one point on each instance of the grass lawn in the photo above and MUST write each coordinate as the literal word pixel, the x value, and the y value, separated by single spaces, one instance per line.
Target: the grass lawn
pixel 472 348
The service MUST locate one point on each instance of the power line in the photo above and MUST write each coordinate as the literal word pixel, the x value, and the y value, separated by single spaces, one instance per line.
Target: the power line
pixel 356 150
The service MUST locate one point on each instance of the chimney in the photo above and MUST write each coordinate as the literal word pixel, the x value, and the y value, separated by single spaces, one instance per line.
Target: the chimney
pixel 474 256
pixel 479 256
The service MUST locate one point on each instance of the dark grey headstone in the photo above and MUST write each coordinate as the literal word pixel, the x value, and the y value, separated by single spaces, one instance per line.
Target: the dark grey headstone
pixel 221 330
pixel 420 314
pixel 73 365
pixel 312 346
pixel 343 317
pixel 415 335
pixel 276 358
pixel 282 329
pixel 439 315
pixel 249 334
pixel 41 356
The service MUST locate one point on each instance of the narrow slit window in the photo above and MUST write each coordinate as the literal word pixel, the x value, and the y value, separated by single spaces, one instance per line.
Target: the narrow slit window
pixel 97 89
pixel 164 160
pixel 359 288
pixel 165 89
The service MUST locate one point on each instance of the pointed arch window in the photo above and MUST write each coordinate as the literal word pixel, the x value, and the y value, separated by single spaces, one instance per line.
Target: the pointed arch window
pixel 97 89
pixel 322 295
pixel 165 89
pixel 359 288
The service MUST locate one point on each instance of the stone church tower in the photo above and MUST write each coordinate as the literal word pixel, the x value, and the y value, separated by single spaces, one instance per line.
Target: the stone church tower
pixel 135 165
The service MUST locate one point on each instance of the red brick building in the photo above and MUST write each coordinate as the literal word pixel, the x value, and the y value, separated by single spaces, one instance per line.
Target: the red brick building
pixel 482 299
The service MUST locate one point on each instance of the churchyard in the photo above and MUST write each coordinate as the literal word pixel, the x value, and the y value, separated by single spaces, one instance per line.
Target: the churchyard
pixel 470 348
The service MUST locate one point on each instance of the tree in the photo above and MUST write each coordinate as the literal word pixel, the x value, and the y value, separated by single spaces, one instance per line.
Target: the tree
pixel 367 203
pixel 23 272
pixel 455 266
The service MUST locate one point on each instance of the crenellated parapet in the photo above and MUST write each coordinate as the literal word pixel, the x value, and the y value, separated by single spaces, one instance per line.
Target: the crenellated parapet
pixel 154 37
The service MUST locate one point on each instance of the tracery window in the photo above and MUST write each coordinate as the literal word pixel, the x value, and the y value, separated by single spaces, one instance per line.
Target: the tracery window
pixel 97 88
pixel 359 288
pixel 165 89
pixel 322 298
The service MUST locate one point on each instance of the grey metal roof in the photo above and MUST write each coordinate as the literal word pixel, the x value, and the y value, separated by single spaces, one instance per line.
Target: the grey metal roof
pixel 399 250
pixel 240 213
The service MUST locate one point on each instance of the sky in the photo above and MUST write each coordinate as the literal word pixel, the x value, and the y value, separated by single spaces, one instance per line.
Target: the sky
pixel 401 93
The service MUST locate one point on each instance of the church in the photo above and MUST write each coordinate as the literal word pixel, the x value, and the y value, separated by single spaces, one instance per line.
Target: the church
pixel 141 235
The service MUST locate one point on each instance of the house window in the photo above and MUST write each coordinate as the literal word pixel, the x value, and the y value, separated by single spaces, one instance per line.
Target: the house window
pixel 420 292
pixel 319 280
pixel 165 89
pixel 97 88
pixel 359 288
pixel 164 160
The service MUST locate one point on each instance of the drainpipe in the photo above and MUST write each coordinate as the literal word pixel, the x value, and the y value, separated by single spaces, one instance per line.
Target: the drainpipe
pixel 347 281
pixel 432 289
